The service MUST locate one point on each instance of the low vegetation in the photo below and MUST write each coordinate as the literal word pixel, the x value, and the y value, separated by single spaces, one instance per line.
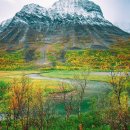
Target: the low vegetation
pixel 15 60
pixel 31 104
pixel 27 104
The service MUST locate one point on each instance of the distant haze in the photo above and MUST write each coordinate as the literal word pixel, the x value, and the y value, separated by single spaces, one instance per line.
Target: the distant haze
pixel 116 11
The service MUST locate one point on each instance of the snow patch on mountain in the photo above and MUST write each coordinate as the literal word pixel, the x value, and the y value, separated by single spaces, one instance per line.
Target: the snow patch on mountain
pixel 85 8
pixel 79 11
pixel 86 11
pixel 34 9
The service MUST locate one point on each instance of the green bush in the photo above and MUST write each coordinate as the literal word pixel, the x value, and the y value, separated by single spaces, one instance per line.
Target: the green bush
pixel 3 87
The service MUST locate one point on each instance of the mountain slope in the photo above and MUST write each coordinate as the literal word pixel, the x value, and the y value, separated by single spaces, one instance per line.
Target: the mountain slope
pixel 4 24
pixel 77 23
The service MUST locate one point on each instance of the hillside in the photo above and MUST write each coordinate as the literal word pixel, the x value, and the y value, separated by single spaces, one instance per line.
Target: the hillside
pixel 77 23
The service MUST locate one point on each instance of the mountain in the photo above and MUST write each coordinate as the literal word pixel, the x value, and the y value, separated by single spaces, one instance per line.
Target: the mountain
pixel 125 26
pixel 77 23
pixel 4 24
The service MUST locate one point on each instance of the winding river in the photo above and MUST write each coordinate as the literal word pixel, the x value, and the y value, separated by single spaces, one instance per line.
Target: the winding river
pixel 94 89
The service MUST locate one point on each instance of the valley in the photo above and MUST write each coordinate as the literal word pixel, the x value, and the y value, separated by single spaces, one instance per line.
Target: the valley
pixel 76 78
pixel 64 68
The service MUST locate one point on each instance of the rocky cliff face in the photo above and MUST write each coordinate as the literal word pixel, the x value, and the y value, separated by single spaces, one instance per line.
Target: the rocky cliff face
pixel 77 22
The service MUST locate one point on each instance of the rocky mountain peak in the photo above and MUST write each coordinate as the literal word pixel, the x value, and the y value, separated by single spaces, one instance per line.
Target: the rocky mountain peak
pixel 77 21
pixel 31 13
pixel 34 9
pixel 85 8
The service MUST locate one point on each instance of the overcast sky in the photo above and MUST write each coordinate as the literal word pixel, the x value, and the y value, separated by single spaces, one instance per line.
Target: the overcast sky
pixel 116 11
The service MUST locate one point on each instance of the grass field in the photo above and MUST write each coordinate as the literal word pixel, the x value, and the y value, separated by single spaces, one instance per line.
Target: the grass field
pixel 48 85
pixel 9 75
pixel 63 74
pixel 69 74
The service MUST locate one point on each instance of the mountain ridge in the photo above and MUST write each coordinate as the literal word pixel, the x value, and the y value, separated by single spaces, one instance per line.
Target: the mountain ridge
pixel 80 22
